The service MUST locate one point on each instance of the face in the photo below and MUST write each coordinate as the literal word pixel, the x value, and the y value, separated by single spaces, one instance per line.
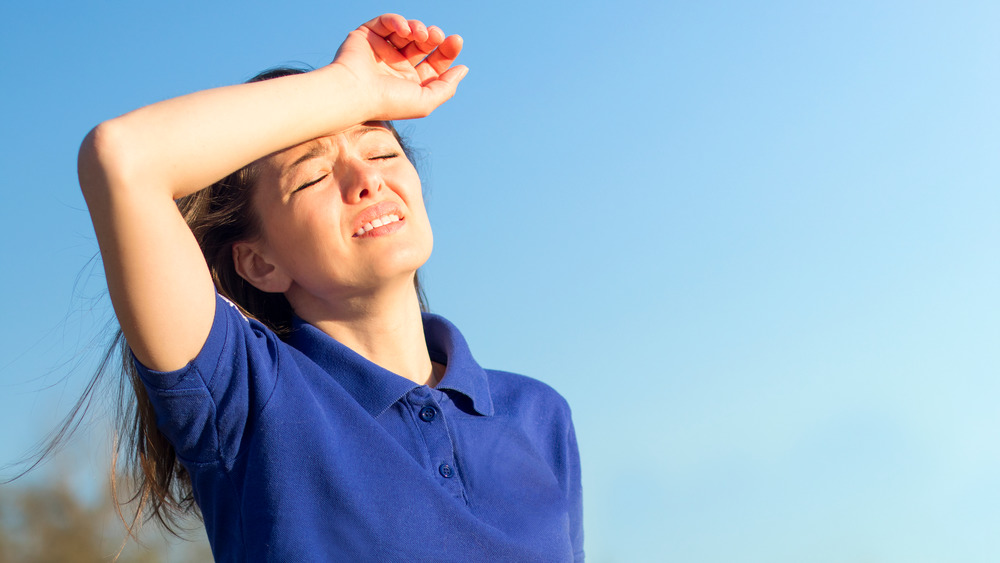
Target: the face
pixel 341 216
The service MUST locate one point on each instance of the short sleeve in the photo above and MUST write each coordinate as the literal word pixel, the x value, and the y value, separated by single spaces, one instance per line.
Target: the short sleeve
pixel 574 493
pixel 205 407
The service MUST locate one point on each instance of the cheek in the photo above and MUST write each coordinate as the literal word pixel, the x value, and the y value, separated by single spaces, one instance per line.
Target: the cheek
pixel 302 233
pixel 412 190
pixel 285 236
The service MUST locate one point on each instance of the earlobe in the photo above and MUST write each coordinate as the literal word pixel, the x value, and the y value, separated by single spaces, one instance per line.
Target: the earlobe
pixel 252 266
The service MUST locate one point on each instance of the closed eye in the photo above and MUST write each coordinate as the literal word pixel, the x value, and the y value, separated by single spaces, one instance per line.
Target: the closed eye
pixel 310 183
pixel 385 156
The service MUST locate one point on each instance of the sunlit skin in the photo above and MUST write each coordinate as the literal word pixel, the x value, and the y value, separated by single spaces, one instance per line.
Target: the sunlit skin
pixel 311 200
pixel 310 213
pixel 358 289
pixel 329 174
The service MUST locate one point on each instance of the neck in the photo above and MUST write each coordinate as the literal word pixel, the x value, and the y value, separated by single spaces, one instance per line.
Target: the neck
pixel 384 327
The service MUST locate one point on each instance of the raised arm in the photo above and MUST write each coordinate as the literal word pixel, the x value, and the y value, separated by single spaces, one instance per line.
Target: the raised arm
pixel 133 167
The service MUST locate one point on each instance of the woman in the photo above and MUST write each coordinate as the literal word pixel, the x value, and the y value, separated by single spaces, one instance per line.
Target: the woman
pixel 277 332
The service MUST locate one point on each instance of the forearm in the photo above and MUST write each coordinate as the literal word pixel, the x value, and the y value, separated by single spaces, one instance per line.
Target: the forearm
pixel 133 167
pixel 184 144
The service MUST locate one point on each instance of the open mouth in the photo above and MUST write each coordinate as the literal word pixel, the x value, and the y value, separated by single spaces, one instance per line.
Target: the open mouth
pixel 382 221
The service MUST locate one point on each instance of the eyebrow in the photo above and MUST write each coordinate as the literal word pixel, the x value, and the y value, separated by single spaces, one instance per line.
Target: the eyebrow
pixel 317 150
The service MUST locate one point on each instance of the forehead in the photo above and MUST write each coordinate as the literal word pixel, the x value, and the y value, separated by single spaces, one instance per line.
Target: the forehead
pixel 277 170
pixel 283 161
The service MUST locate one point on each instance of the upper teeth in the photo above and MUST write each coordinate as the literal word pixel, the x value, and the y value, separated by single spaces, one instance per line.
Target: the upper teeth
pixel 383 220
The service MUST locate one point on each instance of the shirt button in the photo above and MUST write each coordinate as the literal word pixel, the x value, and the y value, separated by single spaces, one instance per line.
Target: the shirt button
pixel 427 414
pixel 445 470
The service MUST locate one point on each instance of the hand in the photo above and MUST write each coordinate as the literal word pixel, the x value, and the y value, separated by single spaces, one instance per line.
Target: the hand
pixel 403 66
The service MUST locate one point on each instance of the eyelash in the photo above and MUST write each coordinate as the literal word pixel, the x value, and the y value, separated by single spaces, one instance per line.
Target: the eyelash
pixel 307 184
pixel 320 179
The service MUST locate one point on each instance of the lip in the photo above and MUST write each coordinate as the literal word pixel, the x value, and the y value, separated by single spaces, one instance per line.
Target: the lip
pixel 374 212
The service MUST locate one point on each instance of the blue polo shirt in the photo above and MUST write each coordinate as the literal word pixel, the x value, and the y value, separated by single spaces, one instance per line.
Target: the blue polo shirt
pixel 302 450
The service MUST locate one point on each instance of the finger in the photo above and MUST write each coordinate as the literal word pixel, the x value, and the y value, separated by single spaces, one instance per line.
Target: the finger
pixel 432 95
pixel 397 41
pixel 434 38
pixel 444 55
pixel 443 87
pixel 381 47
pixel 416 52
pixel 418 31
pixel 388 23
pixel 425 73
pixel 435 35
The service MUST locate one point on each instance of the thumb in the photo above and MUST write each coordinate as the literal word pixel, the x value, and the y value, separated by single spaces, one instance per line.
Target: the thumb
pixel 442 88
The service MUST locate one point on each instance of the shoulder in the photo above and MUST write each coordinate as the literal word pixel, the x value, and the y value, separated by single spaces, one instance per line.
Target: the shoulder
pixel 516 392
pixel 233 332
pixel 233 342
pixel 506 382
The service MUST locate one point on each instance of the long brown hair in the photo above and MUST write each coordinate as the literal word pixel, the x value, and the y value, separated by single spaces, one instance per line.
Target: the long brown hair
pixel 159 486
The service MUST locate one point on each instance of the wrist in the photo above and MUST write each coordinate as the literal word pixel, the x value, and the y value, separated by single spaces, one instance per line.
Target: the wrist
pixel 355 100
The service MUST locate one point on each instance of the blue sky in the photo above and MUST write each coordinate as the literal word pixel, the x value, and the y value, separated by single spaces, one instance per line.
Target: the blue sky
pixel 754 244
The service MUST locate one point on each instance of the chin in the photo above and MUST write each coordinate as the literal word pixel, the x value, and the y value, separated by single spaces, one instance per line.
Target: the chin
pixel 399 265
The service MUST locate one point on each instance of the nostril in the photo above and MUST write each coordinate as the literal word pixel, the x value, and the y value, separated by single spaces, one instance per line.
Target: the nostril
pixel 364 193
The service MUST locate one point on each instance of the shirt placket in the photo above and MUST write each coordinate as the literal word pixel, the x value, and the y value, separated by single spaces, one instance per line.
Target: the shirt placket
pixel 430 422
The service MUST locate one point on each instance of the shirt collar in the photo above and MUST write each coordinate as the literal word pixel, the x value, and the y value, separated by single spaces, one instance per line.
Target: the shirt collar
pixel 463 374
pixel 375 388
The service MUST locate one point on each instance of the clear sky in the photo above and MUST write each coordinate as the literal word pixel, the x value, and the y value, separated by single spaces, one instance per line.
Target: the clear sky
pixel 753 244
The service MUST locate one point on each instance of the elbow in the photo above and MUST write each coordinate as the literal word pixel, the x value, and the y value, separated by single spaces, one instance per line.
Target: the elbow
pixel 102 161
pixel 87 162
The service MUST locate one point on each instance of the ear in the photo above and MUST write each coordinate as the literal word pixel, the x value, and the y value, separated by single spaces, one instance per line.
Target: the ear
pixel 252 265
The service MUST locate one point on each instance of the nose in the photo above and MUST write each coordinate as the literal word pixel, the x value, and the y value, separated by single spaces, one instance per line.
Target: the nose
pixel 360 180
